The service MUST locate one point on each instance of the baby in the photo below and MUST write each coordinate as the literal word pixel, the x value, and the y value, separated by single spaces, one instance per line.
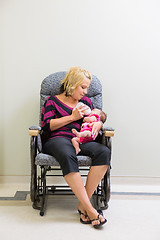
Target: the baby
pixel 85 134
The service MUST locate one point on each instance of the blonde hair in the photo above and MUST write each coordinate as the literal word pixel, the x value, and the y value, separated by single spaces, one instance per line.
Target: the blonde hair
pixel 74 77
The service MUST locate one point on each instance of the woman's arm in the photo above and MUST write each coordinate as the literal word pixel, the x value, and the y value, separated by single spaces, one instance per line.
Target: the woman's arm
pixel 60 122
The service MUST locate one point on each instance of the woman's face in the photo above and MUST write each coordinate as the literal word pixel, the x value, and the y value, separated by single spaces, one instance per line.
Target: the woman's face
pixel 81 90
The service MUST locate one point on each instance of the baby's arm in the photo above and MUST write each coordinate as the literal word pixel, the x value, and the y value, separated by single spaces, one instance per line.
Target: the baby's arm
pixel 90 119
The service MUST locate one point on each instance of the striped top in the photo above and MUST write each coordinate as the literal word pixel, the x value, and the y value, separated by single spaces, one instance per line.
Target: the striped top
pixel 54 108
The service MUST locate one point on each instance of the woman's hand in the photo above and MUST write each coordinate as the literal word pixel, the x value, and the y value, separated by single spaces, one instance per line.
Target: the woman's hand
pixel 96 126
pixel 78 113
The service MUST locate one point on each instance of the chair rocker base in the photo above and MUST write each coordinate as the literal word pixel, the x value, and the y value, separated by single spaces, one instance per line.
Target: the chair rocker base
pixel 100 197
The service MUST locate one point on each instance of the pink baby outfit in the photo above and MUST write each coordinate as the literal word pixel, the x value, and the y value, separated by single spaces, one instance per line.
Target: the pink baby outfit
pixel 87 127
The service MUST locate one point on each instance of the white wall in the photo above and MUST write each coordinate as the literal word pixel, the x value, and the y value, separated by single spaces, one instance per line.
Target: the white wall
pixel 116 40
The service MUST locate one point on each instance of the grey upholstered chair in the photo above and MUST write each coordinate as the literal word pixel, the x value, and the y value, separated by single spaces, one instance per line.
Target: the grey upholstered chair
pixel 39 189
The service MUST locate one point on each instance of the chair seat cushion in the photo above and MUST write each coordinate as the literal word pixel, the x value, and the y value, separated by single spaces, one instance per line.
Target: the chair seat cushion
pixel 47 160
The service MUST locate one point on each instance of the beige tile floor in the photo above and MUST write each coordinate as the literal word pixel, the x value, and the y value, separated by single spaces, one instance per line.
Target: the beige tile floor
pixel 129 216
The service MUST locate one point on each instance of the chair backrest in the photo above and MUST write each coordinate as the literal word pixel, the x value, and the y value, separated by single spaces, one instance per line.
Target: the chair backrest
pixel 51 86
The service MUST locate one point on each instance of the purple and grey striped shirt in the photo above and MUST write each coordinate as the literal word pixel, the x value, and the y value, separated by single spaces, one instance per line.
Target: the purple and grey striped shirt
pixel 54 108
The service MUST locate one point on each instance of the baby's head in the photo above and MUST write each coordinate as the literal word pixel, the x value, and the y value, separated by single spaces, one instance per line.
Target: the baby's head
pixel 99 112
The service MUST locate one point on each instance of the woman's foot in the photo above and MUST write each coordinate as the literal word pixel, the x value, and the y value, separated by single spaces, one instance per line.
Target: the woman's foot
pixel 100 222
pixel 86 221
pixel 97 219
pixel 92 216
pixel 83 214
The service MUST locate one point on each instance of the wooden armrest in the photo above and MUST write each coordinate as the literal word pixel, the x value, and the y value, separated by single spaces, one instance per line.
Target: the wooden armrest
pixel 108 133
pixel 33 132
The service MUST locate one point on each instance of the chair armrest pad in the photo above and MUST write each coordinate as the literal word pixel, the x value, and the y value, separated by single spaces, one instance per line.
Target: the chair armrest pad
pixel 34 130
pixel 108 132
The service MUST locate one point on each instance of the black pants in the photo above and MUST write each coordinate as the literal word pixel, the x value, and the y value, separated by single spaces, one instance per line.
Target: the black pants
pixel 64 152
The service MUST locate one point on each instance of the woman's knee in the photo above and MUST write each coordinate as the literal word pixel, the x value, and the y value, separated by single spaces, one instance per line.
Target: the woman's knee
pixel 102 150
pixel 102 156
pixel 107 152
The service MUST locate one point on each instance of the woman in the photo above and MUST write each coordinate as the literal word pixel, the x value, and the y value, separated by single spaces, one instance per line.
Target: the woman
pixel 59 117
